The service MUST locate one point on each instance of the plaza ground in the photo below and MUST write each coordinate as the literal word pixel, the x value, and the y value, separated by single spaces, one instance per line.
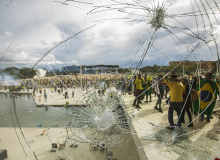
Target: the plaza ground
pixel 148 127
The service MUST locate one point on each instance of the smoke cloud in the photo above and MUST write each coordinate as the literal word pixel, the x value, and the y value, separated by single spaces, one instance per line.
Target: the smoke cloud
pixel 7 79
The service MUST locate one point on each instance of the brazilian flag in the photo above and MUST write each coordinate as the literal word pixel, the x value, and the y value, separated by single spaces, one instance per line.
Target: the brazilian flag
pixel 149 91
pixel 143 90
pixel 206 96
pixel 145 87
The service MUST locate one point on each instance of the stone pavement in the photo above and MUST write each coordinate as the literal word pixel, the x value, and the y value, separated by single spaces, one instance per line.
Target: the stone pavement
pixel 149 126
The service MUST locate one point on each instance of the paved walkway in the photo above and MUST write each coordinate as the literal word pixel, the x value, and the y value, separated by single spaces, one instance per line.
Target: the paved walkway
pixel 150 125
pixel 149 129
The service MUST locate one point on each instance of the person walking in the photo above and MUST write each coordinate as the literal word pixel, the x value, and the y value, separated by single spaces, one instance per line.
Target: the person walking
pixel 166 87
pixel 176 100
pixel 72 94
pixel 45 95
pixel 138 88
pixel 187 101
pixel 159 91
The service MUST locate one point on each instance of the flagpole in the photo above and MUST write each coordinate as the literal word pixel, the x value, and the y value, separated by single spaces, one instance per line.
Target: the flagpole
pixel 81 72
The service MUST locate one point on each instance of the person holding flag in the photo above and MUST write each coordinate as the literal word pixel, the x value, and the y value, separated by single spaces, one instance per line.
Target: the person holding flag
pixel 148 88
pixel 207 91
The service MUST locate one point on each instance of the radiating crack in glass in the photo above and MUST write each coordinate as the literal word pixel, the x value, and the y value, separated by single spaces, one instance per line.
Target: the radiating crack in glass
pixel 105 119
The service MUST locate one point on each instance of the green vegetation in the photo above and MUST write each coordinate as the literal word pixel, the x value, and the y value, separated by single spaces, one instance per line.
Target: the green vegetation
pixel 162 69
pixel 165 69
pixel 122 70
pixel 27 72
pixel 102 66
pixel 214 65
pixel 19 73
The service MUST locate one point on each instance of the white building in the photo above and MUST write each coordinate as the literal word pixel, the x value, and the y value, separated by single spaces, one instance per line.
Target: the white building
pixel 134 70
pixel 40 73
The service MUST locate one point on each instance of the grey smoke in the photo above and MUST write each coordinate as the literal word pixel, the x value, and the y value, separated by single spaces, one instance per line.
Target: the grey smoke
pixel 7 79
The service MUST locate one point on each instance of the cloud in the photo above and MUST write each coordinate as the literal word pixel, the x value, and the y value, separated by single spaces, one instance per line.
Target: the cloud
pixel 114 41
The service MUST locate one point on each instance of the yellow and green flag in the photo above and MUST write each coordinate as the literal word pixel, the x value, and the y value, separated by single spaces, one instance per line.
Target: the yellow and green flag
pixel 149 91
pixel 206 96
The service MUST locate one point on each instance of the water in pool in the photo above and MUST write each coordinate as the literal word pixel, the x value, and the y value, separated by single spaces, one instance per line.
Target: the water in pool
pixel 29 115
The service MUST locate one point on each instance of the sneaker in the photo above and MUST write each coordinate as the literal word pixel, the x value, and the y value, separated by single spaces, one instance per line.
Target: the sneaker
pixel 207 121
pixel 146 101
pixel 160 110
pixel 190 125
pixel 170 127
pixel 138 107
pixel 156 107
pixel 202 119
pixel 167 101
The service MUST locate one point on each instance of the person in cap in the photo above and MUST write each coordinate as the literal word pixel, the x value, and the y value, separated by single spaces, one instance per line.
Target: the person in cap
pixel 176 100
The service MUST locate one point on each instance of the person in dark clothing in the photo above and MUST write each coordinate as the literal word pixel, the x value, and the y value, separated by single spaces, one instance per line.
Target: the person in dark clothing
pixel 159 88
pixel 134 84
pixel 66 95
pixel 167 88
pixel 187 102
pixel 194 81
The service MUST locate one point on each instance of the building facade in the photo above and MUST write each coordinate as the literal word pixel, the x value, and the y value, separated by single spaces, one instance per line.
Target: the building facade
pixel 204 65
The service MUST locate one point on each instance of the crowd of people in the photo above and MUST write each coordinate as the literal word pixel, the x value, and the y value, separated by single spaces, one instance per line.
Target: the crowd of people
pixel 188 94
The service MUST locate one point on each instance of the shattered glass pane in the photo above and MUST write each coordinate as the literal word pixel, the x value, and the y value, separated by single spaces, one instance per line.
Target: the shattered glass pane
pixel 100 118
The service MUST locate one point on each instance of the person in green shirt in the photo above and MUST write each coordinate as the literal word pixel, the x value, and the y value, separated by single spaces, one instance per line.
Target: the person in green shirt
pixel 149 90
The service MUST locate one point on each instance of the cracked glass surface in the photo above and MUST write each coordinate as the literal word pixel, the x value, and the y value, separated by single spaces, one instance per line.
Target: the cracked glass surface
pixel 106 121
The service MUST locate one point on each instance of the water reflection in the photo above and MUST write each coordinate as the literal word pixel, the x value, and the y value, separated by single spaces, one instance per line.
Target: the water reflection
pixel 29 115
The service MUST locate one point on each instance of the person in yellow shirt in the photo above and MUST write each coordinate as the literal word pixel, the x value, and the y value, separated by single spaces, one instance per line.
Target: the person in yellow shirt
pixel 138 89
pixel 176 99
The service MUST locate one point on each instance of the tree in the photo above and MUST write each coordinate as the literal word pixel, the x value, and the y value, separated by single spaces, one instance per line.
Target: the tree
pixel 49 74
pixel 26 72
pixel 122 70
pixel 11 70
pixel 214 66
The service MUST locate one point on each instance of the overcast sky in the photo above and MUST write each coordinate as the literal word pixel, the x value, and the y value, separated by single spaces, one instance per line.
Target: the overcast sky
pixel 30 28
